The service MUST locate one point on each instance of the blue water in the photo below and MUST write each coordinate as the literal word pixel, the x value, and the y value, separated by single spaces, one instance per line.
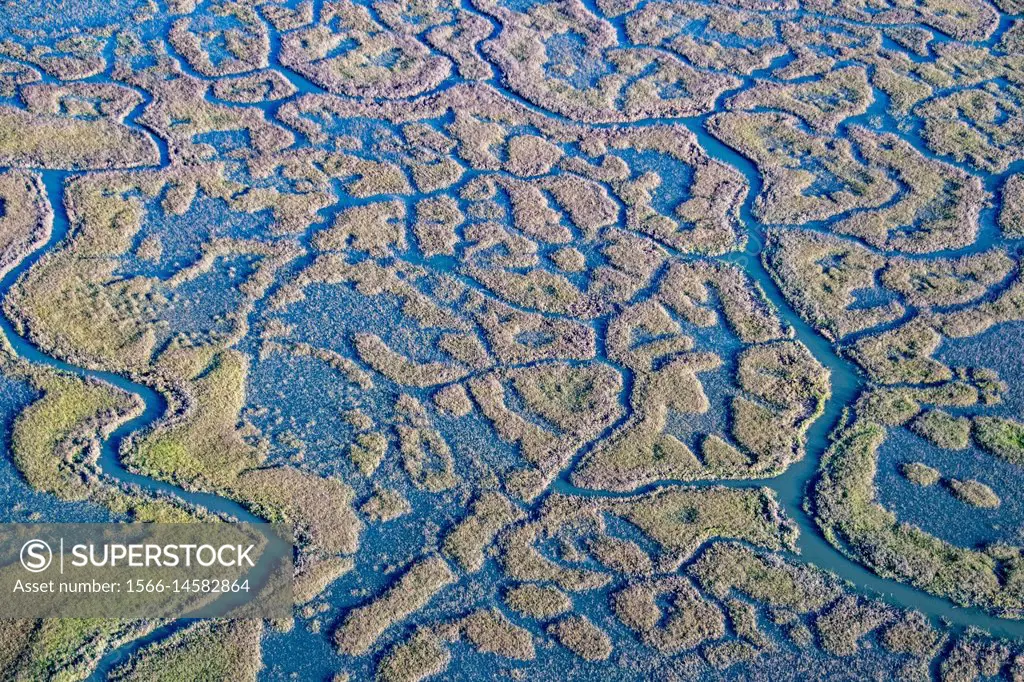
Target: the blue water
pixel 676 177
pixel 846 383
pixel 934 509
pixel 67 15
pixel 22 503
pixel 302 395
pixel 719 387
pixel 181 237
pixel 996 349
pixel 109 460
pixel 155 405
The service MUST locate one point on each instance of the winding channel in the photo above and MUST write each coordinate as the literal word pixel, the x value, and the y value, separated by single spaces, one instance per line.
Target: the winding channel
pixel 790 487
pixel 846 382
pixel 154 404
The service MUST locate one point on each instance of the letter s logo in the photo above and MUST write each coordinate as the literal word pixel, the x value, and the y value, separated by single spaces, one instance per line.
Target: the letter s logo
pixel 36 556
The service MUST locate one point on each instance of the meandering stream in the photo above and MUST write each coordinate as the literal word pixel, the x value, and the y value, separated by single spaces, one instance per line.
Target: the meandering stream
pixel 790 487
pixel 155 405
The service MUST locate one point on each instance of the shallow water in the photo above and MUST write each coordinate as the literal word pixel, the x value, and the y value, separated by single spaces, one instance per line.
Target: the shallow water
pixel 289 396
pixel 155 405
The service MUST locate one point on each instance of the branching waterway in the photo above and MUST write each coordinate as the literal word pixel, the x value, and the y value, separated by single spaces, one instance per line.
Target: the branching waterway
pixel 791 487
pixel 155 408
pixel 846 383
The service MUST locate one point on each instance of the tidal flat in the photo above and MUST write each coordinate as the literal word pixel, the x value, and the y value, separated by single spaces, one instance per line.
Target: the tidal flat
pixel 575 339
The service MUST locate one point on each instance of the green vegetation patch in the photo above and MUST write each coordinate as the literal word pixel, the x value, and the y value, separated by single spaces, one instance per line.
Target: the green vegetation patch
pixel 1002 437
pixel 920 474
pixel 209 650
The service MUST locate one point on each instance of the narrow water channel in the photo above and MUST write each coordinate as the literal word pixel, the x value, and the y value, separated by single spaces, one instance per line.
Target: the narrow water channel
pixel 155 405
pixel 846 382
pixel 790 487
